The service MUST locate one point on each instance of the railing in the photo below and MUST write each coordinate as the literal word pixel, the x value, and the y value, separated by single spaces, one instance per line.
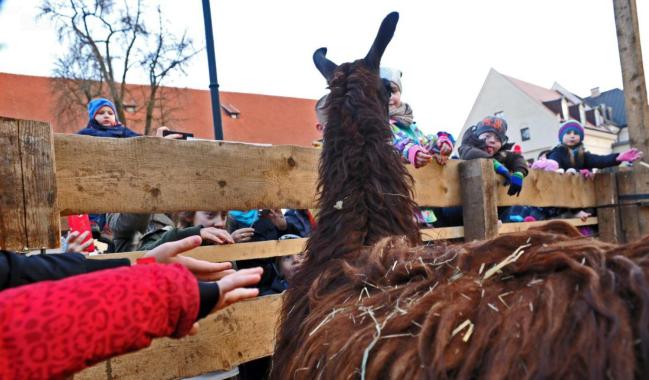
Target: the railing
pixel 44 176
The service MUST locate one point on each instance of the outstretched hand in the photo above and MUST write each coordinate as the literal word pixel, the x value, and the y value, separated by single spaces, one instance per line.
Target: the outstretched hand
pixel 630 155
pixel 169 253
pixel 232 288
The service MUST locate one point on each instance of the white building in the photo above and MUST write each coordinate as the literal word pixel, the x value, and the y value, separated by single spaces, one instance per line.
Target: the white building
pixel 534 114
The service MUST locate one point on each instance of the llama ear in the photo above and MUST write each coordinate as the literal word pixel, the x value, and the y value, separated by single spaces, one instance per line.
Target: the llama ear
pixel 386 31
pixel 324 65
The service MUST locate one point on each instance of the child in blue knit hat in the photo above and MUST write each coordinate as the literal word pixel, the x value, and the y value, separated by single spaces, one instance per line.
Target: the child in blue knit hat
pixel 571 155
pixel 103 121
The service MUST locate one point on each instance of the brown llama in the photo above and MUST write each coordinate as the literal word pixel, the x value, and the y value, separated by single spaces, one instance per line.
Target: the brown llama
pixel 370 302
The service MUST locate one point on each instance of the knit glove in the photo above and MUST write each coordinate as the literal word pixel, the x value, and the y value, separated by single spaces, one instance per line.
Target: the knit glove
pixel 630 155
pixel 586 173
pixel 516 184
pixel 502 170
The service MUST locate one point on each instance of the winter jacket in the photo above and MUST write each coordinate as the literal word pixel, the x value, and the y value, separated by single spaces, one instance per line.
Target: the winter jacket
pixel 161 236
pixel 300 220
pixel 118 131
pixel 408 140
pixel 17 270
pixel 471 148
pixel 52 329
pixel 582 158
pixel 131 229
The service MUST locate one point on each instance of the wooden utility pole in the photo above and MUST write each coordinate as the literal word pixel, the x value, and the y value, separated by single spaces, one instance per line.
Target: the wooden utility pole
pixel 635 88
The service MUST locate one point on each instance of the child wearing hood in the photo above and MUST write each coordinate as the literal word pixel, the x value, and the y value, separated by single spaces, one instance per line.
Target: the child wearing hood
pixel 571 156
pixel 414 146
pixel 103 121
pixel 488 139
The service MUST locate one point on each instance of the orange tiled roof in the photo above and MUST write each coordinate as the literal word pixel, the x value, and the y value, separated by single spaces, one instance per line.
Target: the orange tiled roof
pixel 262 118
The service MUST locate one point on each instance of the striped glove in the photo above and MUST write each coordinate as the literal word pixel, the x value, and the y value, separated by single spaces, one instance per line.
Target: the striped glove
pixel 516 184
pixel 502 170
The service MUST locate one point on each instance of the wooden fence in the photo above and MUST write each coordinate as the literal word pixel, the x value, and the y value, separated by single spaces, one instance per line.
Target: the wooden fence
pixel 44 176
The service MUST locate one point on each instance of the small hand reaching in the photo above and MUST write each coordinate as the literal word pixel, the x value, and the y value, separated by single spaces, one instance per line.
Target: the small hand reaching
pixel 216 235
pixel 74 242
pixel 169 253
pixel 243 234
pixel 630 155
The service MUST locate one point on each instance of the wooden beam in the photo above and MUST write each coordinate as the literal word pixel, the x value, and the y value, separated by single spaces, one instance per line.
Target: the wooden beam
pixel 632 186
pixel 436 185
pixel 230 252
pixel 633 78
pixel 29 218
pixel 609 215
pixel 237 334
pixel 13 231
pixel 545 189
pixel 478 191
pixel 41 208
pixel 148 174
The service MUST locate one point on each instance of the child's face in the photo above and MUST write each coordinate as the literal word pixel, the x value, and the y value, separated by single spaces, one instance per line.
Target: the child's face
pixel 492 142
pixel 570 138
pixel 210 218
pixel 105 116
pixel 288 265
pixel 395 96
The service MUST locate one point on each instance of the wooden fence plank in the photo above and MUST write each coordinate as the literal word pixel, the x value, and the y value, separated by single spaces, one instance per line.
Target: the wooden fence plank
pixel 237 334
pixel 230 252
pixel 147 174
pixel 544 189
pixel 13 231
pixel 41 212
pixel 479 211
pixel 608 216
pixel 507 228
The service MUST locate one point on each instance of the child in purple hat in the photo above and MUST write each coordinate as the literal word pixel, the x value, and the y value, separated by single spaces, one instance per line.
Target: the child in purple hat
pixel 571 155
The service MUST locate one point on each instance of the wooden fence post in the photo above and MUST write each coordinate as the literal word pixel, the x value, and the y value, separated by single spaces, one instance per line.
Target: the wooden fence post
pixel 29 217
pixel 633 195
pixel 608 218
pixel 479 199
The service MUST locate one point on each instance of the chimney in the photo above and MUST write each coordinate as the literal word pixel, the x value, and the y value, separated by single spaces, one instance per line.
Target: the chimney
pixel 582 114
pixel 594 92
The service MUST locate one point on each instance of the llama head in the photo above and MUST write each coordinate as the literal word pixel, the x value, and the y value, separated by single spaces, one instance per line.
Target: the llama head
pixel 365 191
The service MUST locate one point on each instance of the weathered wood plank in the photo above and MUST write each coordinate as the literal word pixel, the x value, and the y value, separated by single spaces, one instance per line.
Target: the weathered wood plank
pixel 13 231
pixel 545 189
pixel 147 174
pixel 479 211
pixel 437 185
pixel 608 216
pixel 237 334
pixel 635 221
pixel 230 252
pixel 39 181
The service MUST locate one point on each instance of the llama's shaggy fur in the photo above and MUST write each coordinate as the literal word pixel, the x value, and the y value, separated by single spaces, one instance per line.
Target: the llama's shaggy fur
pixel 370 302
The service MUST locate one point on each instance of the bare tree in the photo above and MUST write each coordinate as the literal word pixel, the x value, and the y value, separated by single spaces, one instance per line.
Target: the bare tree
pixel 107 43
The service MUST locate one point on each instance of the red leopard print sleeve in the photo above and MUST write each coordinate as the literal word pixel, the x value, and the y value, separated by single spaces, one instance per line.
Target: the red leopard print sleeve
pixel 53 329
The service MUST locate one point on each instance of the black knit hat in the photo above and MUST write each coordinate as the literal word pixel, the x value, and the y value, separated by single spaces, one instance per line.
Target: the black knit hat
pixel 493 124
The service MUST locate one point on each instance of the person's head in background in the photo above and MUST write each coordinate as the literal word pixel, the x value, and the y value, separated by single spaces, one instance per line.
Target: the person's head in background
pixel 393 76
pixel 215 219
pixel 492 131
pixel 571 133
pixel 103 112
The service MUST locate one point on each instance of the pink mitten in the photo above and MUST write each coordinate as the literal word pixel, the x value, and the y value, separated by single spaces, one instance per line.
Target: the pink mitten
pixel 630 155
pixel 586 173
pixel 547 165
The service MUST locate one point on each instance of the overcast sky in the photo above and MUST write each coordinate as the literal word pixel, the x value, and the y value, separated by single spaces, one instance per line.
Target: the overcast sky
pixel 444 48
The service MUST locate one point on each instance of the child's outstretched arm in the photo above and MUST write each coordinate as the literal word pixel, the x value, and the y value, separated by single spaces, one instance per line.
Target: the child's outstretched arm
pixel 441 146
pixel 409 150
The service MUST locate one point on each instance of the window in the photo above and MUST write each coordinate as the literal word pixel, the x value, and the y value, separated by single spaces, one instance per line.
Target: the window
pixel 525 134
pixel 500 114
pixel 130 107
